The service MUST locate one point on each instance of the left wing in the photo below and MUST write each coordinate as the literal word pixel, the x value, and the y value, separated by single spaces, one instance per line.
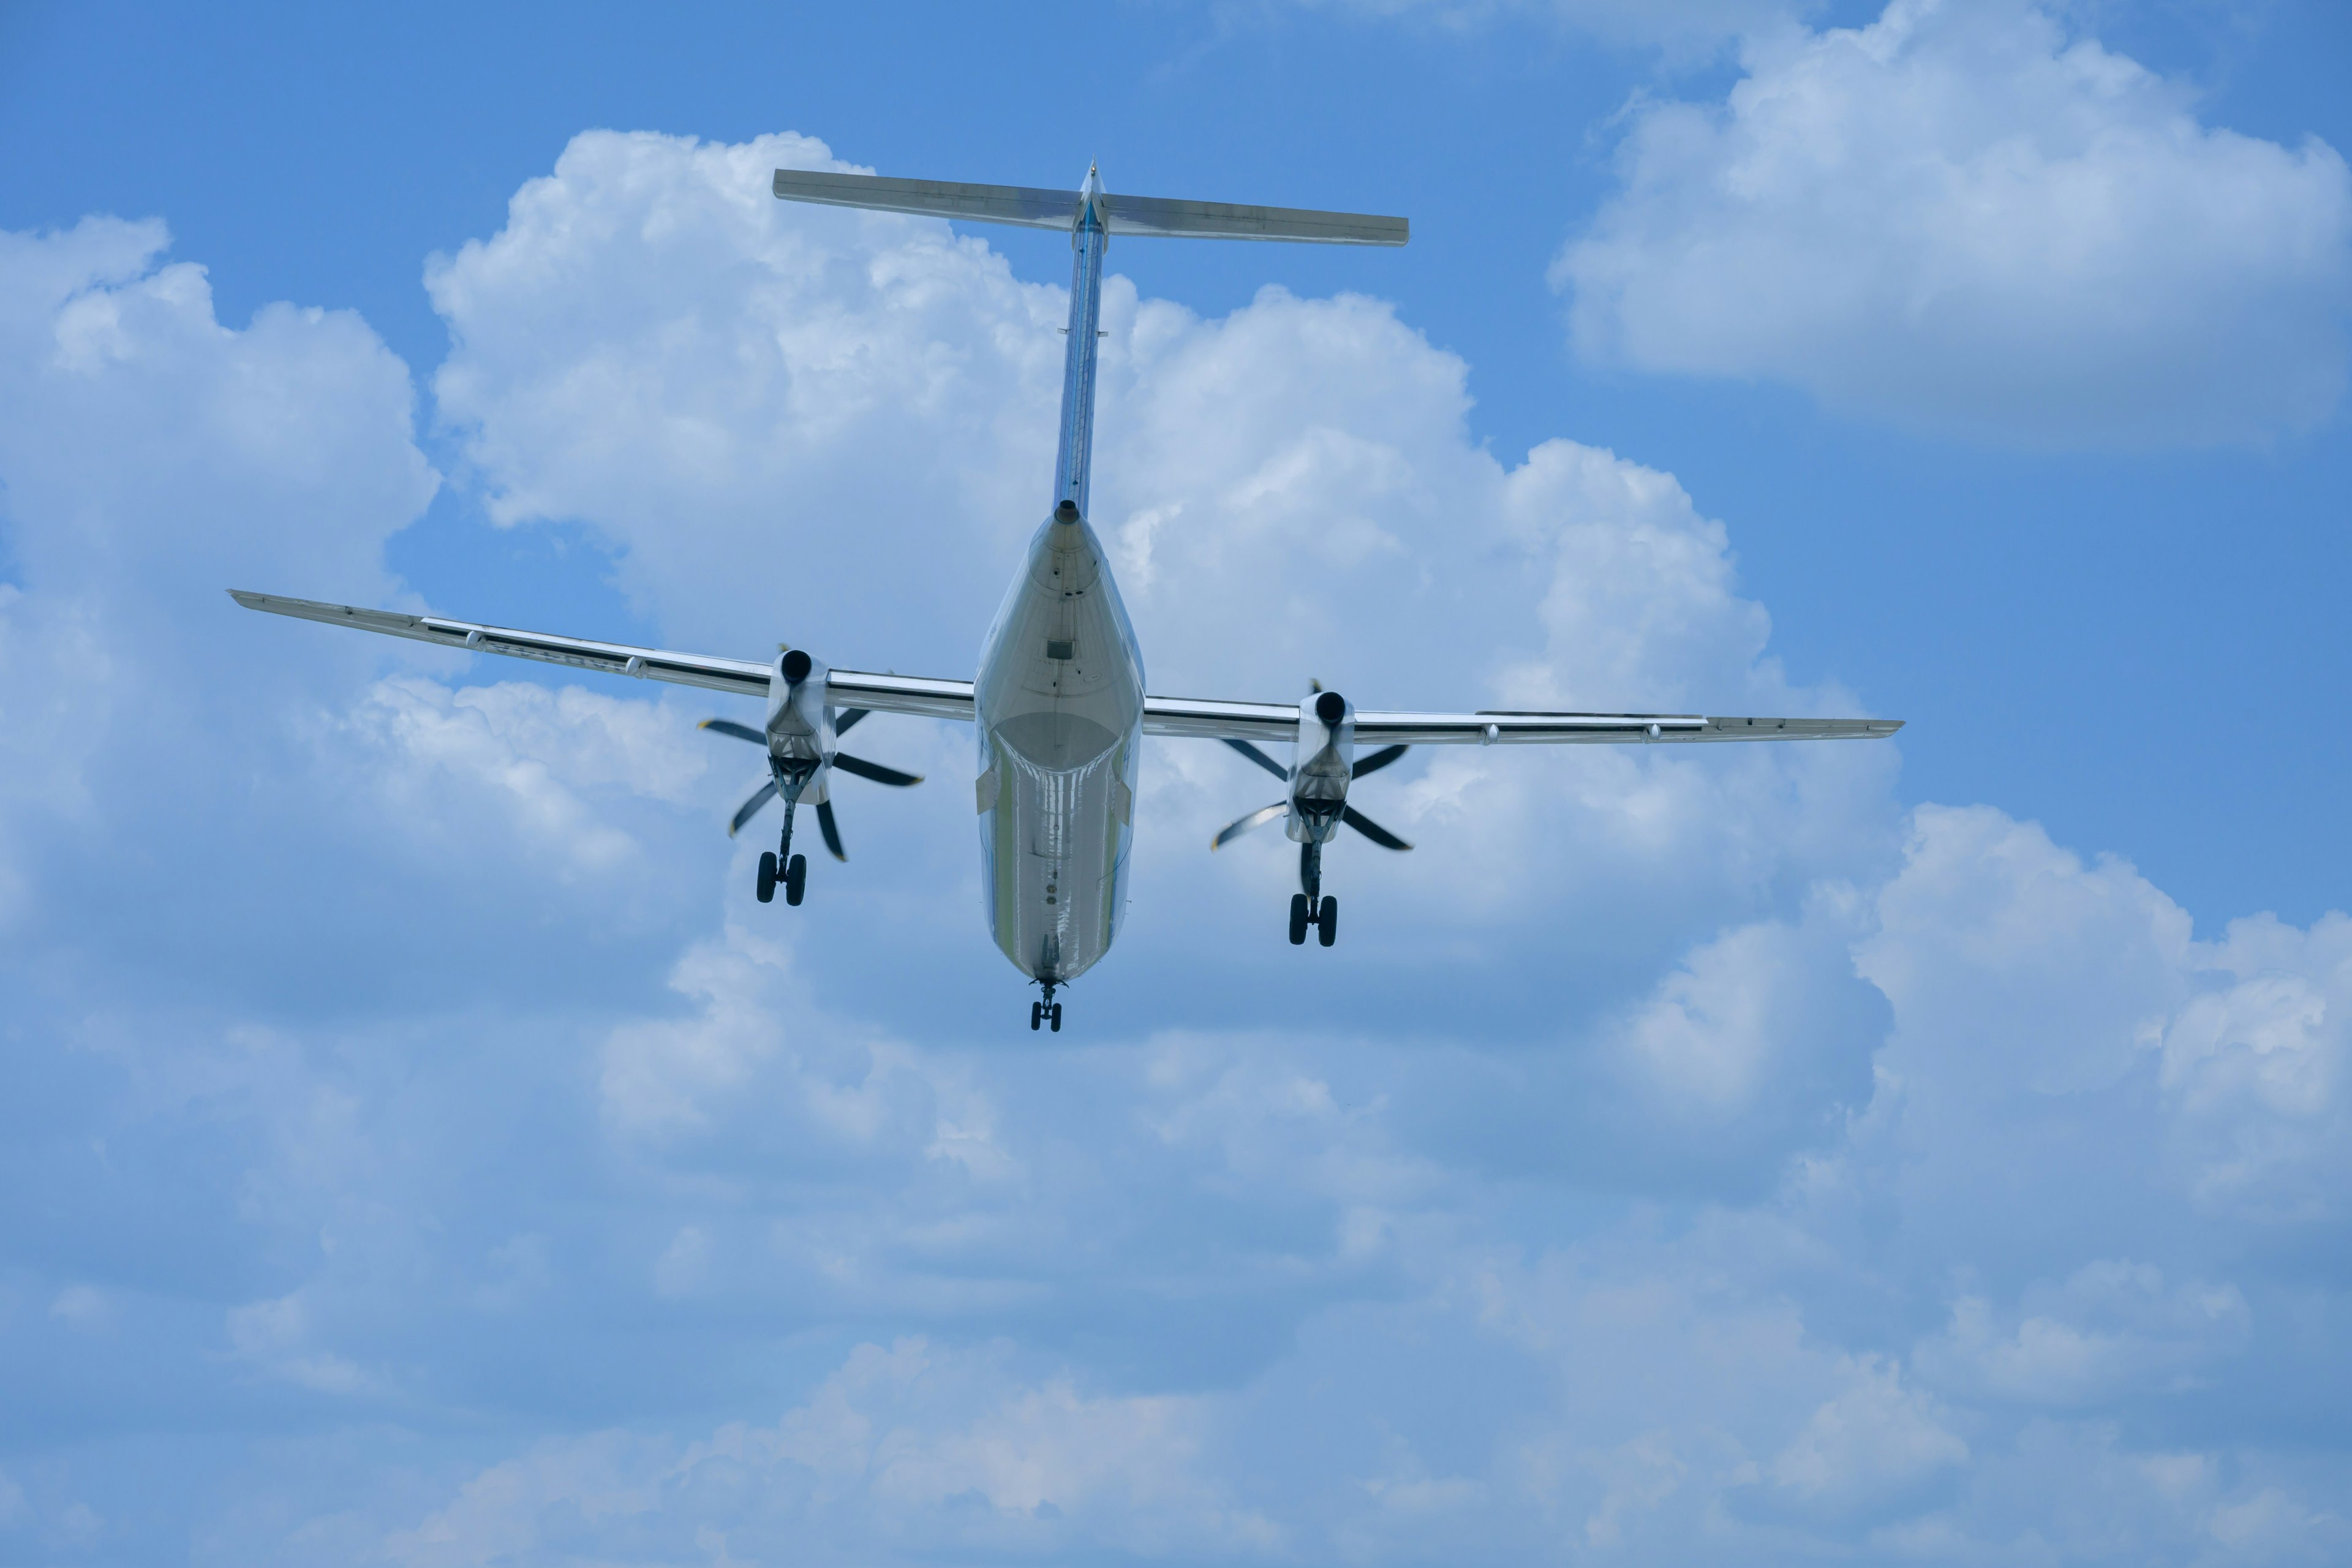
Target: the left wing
pixel 1212 720
pixel 744 677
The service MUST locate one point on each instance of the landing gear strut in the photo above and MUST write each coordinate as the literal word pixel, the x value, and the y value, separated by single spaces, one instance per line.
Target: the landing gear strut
pixel 1310 907
pixel 783 868
pixel 1047 1011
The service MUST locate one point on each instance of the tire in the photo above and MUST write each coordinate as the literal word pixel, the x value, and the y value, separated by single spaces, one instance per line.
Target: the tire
pixel 795 880
pixel 1298 920
pixel 767 875
pixel 1036 1015
pixel 1056 1017
pixel 1327 922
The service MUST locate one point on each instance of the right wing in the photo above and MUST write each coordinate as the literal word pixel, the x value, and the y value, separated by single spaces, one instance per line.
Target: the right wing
pixel 1207 720
pixel 744 677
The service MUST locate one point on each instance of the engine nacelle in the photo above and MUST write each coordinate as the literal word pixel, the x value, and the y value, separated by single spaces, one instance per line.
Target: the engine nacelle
pixel 1321 767
pixel 800 725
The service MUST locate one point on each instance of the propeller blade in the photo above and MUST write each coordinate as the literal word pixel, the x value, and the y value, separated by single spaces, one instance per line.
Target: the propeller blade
pixel 874 771
pixel 1258 818
pixel 729 727
pixel 848 718
pixel 1378 761
pixel 1371 830
pixel 1260 758
pixel 750 809
pixel 825 825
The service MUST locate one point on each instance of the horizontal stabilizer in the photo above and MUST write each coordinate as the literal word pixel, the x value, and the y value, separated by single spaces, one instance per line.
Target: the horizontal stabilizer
pixel 931 198
pixel 1228 220
pixel 1033 208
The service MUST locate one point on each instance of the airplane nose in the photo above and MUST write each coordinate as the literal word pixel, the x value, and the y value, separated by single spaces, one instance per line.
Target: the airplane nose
pixel 1330 708
pixel 796 666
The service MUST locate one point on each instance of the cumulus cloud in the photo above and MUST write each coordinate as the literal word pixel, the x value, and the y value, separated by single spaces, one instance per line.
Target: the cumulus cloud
pixel 1803 1175
pixel 1960 217
pixel 908 1448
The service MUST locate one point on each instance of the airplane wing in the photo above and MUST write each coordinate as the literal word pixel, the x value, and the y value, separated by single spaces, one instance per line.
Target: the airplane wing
pixel 1213 721
pixel 744 677
pixel 1197 718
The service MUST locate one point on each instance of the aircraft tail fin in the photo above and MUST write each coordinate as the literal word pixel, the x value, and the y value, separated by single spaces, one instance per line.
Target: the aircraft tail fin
pixel 1033 208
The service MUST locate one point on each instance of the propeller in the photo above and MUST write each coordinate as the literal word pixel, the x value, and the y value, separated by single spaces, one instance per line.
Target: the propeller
pixel 750 809
pixel 1356 819
pixel 841 760
pixel 1258 818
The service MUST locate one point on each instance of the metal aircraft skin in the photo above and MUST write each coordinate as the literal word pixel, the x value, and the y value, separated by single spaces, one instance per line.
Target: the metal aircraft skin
pixel 1059 706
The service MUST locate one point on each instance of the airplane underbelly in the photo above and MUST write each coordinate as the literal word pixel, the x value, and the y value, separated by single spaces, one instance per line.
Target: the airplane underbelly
pixel 1055 842
pixel 1060 708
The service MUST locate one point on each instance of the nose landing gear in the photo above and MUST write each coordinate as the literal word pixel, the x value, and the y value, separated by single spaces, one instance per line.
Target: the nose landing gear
pixel 1045 1011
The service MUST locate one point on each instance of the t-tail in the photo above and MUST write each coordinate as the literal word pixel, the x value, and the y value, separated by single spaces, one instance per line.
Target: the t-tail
pixel 1091 216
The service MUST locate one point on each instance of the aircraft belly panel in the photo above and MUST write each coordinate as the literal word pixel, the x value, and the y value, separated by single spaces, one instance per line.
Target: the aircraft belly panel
pixel 1060 706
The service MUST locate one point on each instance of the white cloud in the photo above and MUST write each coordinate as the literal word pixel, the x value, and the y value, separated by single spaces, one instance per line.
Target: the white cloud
pixel 912 1449
pixel 1960 218
pixel 2110 1331
pixel 1874 1443
pixel 1798 1176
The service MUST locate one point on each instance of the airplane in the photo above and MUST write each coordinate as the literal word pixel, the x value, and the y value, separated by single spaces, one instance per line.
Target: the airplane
pixel 1058 703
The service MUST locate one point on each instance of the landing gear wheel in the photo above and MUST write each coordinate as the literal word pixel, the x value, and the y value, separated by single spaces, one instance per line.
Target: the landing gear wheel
pixel 796 881
pixel 1298 920
pixel 1037 1016
pixel 1055 1015
pixel 1327 922
pixel 767 876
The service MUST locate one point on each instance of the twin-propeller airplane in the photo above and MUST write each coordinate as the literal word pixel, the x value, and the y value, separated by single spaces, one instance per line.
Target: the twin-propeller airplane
pixel 1059 703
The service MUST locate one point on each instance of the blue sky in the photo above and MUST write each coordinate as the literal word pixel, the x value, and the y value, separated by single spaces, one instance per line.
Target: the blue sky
pixel 420 1149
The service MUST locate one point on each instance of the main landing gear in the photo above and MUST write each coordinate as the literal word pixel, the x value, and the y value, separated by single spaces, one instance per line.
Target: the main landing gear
pixel 792 873
pixel 1310 907
pixel 1323 915
pixel 783 865
pixel 1047 1011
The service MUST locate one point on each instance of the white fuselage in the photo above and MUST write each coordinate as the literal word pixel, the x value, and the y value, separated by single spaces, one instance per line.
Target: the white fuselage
pixel 1059 705
pixel 1059 698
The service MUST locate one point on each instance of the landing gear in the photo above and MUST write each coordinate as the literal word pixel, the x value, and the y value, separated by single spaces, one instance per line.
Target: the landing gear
pixel 792 875
pixel 1323 915
pixel 1047 1011
pixel 782 868
pixel 1310 907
